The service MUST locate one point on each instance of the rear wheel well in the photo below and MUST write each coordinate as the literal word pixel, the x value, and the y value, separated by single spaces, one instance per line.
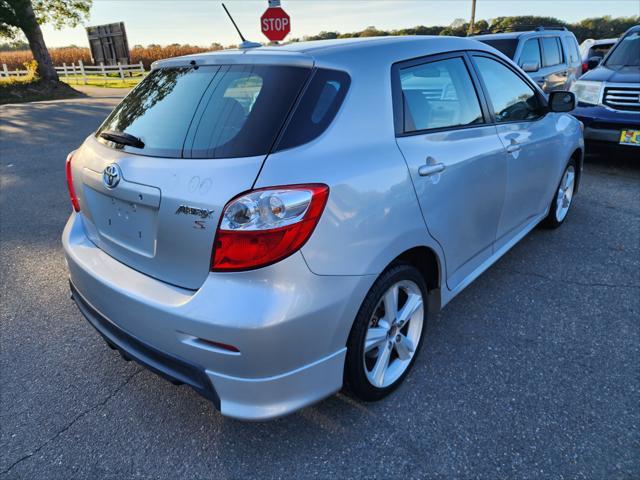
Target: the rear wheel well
pixel 426 261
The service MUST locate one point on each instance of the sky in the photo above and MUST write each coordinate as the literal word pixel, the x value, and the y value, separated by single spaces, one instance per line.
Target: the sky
pixel 203 22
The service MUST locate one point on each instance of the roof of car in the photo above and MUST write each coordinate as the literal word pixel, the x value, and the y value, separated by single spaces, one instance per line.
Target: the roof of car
pixel 501 36
pixel 390 47
pixel 523 33
pixel 600 41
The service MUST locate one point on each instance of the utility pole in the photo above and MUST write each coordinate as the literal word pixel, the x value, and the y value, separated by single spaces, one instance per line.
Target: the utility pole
pixel 473 17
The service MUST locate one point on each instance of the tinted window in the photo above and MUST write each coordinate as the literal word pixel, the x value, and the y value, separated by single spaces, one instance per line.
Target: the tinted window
pixel 317 108
pixel 244 110
pixel 506 46
pixel 551 51
pixel 627 51
pixel 599 50
pixel 511 97
pixel 573 50
pixel 530 52
pixel 159 110
pixel 234 111
pixel 437 95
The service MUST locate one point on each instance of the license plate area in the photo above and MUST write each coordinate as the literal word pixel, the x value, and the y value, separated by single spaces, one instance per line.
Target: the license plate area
pixel 130 225
pixel 630 137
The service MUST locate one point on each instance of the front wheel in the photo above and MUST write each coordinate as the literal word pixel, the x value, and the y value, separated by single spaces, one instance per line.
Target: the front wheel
pixel 387 333
pixel 562 198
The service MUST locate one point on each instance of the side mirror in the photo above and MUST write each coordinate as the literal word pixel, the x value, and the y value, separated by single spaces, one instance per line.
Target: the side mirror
pixel 531 67
pixel 562 101
pixel 593 62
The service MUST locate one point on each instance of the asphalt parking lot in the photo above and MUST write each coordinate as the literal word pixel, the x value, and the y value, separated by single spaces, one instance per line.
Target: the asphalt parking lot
pixel 532 372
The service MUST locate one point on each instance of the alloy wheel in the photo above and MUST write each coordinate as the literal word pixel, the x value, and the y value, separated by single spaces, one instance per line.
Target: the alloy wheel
pixel 393 334
pixel 565 193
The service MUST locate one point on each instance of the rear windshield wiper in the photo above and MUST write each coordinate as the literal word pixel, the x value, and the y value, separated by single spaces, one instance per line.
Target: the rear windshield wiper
pixel 122 138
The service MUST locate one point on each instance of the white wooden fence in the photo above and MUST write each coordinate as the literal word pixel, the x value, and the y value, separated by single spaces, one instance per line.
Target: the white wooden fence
pixel 81 72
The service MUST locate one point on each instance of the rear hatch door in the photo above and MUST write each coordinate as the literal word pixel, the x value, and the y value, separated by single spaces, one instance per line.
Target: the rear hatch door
pixel 206 132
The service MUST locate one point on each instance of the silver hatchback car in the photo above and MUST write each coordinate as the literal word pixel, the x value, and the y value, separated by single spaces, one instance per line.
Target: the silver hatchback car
pixel 268 224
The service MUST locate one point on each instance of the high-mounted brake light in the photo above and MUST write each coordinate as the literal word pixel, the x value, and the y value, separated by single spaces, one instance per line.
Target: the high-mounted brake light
pixel 72 191
pixel 264 226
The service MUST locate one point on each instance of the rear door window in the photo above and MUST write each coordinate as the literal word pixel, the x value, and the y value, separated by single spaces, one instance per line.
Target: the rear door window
pixel 552 52
pixel 208 112
pixel 530 52
pixel 438 94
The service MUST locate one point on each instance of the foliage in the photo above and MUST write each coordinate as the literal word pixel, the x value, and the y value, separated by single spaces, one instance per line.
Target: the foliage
pixel 152 53
pixel 13 46
pixel 59 13
pixel 58 56
pixel 601 27
pixel 31 67
pixel 158 86
pixel 70 55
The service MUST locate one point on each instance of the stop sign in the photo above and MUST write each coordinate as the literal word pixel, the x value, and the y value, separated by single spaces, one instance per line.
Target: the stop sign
pixel 275 24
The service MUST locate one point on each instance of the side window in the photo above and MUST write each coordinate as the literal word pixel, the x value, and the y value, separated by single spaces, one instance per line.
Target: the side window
pixel 530 52
pixel 438 94
pixel 551 51
pixel 317 108
pixel 512 98
pixel 575 53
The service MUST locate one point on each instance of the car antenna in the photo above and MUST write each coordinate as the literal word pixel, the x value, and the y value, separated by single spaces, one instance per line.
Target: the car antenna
pixel 245 43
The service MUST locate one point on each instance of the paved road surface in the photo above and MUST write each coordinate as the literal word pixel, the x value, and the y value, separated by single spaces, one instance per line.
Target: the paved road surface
pixel 532 372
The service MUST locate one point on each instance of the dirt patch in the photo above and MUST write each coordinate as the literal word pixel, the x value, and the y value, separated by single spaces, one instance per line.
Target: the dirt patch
pixel 35 91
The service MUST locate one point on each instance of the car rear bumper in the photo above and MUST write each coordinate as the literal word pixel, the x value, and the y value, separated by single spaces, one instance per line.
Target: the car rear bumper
pixel 289 325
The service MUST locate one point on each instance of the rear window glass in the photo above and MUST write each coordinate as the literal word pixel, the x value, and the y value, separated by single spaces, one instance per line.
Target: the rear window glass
pixel 551 51
pixel 317 108
pixel 507 46
pixel 208 112
pixel 599 50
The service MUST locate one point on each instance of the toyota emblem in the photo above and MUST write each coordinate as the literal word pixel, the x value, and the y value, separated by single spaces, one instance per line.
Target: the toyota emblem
pixel 111 176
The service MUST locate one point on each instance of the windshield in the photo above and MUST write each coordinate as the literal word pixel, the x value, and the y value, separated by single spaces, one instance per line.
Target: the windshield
pixel 206 112
pixel 626 52
pixel 506 46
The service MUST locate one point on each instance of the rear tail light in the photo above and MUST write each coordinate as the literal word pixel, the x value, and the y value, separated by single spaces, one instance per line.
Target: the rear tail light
pixel 585 67
pixel 72 191
pixel 264 226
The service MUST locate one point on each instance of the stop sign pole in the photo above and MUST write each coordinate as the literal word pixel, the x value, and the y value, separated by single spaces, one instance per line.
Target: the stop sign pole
pixel 275 23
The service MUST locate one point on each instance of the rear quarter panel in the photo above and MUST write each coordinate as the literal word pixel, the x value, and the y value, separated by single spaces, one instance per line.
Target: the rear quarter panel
pixel 372 214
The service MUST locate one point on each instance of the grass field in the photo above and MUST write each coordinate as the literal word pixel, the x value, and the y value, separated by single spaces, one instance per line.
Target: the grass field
pixel 101 81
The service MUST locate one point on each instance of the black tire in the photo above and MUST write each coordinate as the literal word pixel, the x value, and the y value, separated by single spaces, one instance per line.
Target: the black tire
pixel 355 377
pixel 551 220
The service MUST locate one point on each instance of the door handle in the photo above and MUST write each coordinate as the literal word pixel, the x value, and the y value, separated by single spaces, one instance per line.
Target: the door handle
pixel 432 169
pixel 514 147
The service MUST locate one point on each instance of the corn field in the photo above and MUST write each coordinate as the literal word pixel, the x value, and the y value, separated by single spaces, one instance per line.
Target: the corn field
pixel 16 60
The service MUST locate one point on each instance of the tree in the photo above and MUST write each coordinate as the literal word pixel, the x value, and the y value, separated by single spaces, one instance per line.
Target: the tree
pixel 26 16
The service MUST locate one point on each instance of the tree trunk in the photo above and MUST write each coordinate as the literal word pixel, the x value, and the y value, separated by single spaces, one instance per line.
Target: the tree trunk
pixel 32 31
